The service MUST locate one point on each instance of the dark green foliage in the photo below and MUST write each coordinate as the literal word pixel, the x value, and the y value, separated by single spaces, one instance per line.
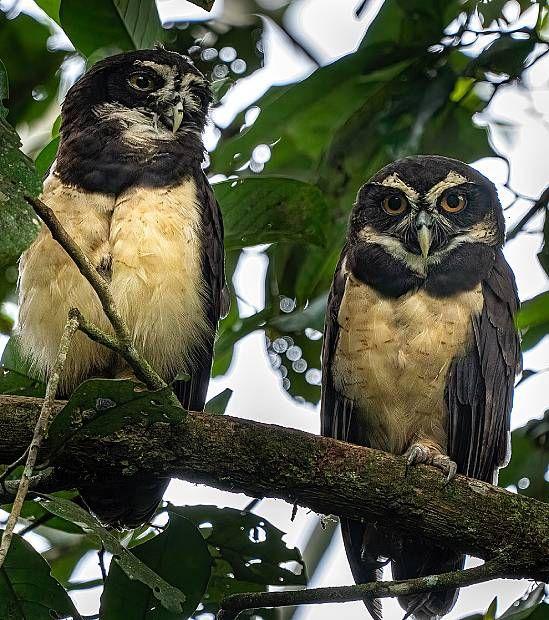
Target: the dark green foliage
pixel 170 597
pixel 117 24
pixel 18 225
pixel 263 210
pixel 218 404
pixel 103 406
pixel 27 590
pixel 248 552
pixel 180 555
pixel 15 376
pixel 530 459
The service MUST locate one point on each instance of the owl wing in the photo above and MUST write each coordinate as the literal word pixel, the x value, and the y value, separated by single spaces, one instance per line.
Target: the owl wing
pixel 335 409
pixel 479 387
pixel 336 417
pixel 192 393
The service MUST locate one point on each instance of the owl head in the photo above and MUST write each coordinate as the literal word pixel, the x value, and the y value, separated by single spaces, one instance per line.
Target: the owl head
pixel 420 209
pixel 144 98
pixel 134 119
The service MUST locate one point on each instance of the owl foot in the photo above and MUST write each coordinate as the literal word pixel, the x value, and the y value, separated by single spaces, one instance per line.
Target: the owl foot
pixel 424 453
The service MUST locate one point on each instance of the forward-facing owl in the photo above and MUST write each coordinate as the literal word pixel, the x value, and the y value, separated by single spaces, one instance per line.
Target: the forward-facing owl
pixel 128 187
pixel 420 349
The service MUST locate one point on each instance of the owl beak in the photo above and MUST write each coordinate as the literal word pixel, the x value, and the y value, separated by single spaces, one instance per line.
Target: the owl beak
pixel 424 223
pixel 177 116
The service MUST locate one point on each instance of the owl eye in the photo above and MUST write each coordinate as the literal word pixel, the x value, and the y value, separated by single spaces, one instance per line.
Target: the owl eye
pixel 141 81
pixel 453 202
pixel 394 205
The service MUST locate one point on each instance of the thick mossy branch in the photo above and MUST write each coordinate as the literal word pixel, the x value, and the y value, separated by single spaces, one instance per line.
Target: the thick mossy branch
pixel 325 475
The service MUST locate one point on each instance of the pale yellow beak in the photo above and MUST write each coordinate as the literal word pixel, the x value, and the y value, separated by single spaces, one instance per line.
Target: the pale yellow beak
pixel 424 240
pixel 177 116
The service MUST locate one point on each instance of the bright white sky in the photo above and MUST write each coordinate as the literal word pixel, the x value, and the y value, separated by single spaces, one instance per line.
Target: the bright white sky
pixel 331 30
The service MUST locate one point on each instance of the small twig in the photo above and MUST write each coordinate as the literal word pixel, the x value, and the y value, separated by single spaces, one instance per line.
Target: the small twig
pixel 541 203
pixel 101 559
pixel 12 467
pixel 233 605
pixel 143 370
pixel 36 523
pixel 38 435
pixel 300 45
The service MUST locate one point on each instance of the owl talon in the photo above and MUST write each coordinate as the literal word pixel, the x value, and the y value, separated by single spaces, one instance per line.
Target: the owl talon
pixel 422 453
pixel 447 466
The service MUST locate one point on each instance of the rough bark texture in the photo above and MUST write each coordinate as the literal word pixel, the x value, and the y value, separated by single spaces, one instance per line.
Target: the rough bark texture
pixel 323 474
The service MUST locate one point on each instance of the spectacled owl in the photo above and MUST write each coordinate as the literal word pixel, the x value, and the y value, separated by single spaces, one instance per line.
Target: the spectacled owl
pixel 420 349
pixel 129 188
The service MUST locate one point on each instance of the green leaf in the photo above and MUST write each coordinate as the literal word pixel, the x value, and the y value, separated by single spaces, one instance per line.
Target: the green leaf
pixel 103 406
pixel 114 24
pixel 51 7
pixel 180 556
pixel 529 460
pixel 490 613
pixel 15 375
pixel 270 209
pixel 541 612
pixel 45 158
pixel 18 224
pixel 252 547
pixel 533 320
pixel 525 607
pixel 27 590
pixel 218 404
pixel 34 511
pixel 170 597
pixel 6 323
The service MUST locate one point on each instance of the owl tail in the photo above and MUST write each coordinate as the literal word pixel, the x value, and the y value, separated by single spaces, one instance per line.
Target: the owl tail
pixel 419 559
pixel 364 568
pixel 125 502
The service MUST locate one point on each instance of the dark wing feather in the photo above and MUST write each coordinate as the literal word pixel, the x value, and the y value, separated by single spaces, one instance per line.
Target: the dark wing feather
pixel 192 393
pixel 479 389
pixel 335 409
pixel 336 418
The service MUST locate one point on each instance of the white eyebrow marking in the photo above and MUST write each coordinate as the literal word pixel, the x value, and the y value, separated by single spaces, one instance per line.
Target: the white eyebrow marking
pixel 452 179
pixel 165 71
pixel 393 180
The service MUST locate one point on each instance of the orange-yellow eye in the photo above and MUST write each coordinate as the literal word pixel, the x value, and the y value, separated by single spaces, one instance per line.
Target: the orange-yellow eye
pixel 453 202
pixel 394 205
pixel 141 81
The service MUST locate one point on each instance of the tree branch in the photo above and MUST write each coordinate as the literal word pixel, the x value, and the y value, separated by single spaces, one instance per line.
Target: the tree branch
pixel 233 605
pixel 325 475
